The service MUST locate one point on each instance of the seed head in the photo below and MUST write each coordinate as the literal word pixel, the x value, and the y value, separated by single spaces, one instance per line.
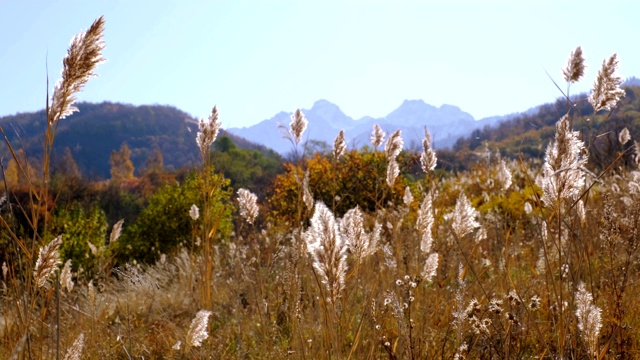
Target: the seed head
pixel 208 132
pixel 377 136
pixel 428 159
pixel 606 89
pixel 194 212
pixel 298 125
pixel 248 203
pixel 198 330
pixel 464 217
pixel 75 351
pixel 575 66
pixel 624 136
pixel 83 56
pixel 48 261
pixel 394 145
pixel 339 145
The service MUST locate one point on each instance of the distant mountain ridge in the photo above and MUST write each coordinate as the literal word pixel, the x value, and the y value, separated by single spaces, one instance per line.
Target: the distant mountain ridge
pixel 446 124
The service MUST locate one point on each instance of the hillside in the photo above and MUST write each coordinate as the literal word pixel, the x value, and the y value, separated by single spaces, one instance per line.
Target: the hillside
pixel 527 135
pixel 98 129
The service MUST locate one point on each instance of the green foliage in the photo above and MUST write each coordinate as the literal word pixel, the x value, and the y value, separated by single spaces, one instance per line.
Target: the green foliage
pixel 78 228
pixel 249 169
pixel 165 223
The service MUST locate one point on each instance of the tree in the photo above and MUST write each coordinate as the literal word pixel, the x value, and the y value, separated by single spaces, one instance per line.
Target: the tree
pixel 67 167
pixel 121 166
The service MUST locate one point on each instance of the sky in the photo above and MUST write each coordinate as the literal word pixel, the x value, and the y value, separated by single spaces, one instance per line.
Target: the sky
pixel 254 59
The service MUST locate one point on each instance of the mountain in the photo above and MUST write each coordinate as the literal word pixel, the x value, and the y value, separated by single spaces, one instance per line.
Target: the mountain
pixel 446 124
pixel 98 129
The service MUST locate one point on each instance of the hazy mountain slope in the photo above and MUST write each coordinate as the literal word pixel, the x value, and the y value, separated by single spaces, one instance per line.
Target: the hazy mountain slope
pixel 98 129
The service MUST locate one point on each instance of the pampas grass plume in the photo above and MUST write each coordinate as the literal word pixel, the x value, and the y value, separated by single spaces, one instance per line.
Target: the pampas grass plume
pixel 75 351
pixel 198 330
pixel 247 201
pixel 83 55
pixel 339 145
pixel 48 261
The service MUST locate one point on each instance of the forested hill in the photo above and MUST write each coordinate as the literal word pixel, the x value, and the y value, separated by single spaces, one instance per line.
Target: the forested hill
pixel 97 129
pixel 528 135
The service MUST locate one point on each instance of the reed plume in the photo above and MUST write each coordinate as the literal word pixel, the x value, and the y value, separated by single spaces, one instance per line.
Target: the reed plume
pixel 248 204
pixel 394 144
pixel 307 197
pixel 339 145
pixel 65 276
pixel 194 212
pixel 562 177
pixel 83 55
pixel 360 243
pixel 624 136
pixel 575 66
pixel 589 318
pixel 424 223
pixel 48 261
pixel 327 248
pixel 393 170
pixel 75 351
pixel 464 217
pixel 377 136
pixel 428 159
pixel 198 330
pixel 116 231
pixel 408 196
pixel 208 132
pixel 298 125
pixel 606 89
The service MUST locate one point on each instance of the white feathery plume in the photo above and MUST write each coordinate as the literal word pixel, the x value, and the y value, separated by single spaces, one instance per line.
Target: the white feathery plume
pixel 589 318
pixel 360 243
pixel 248 203
pixel 430 267
pixel 606 89
pixel 298 125
pixel 194 212
pixel 83 55
pixel 75 351
pixel 624 136
pixel 48 261
pixel 377 136
pixel 575 66
pixel 327 247
pixel 562 177
pixel 393 171
pixel 408 196
pixel 198 330
pixel 464 217
pixel 116 231
pixel 394 145
pixel 65 276
pixel 339 145
pixel 424 223
pixel 504 175
pixel 208 132
pixel 307 197
pixel 428 159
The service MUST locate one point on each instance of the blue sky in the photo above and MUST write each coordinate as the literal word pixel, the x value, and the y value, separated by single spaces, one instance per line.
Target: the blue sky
pixel 256 58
